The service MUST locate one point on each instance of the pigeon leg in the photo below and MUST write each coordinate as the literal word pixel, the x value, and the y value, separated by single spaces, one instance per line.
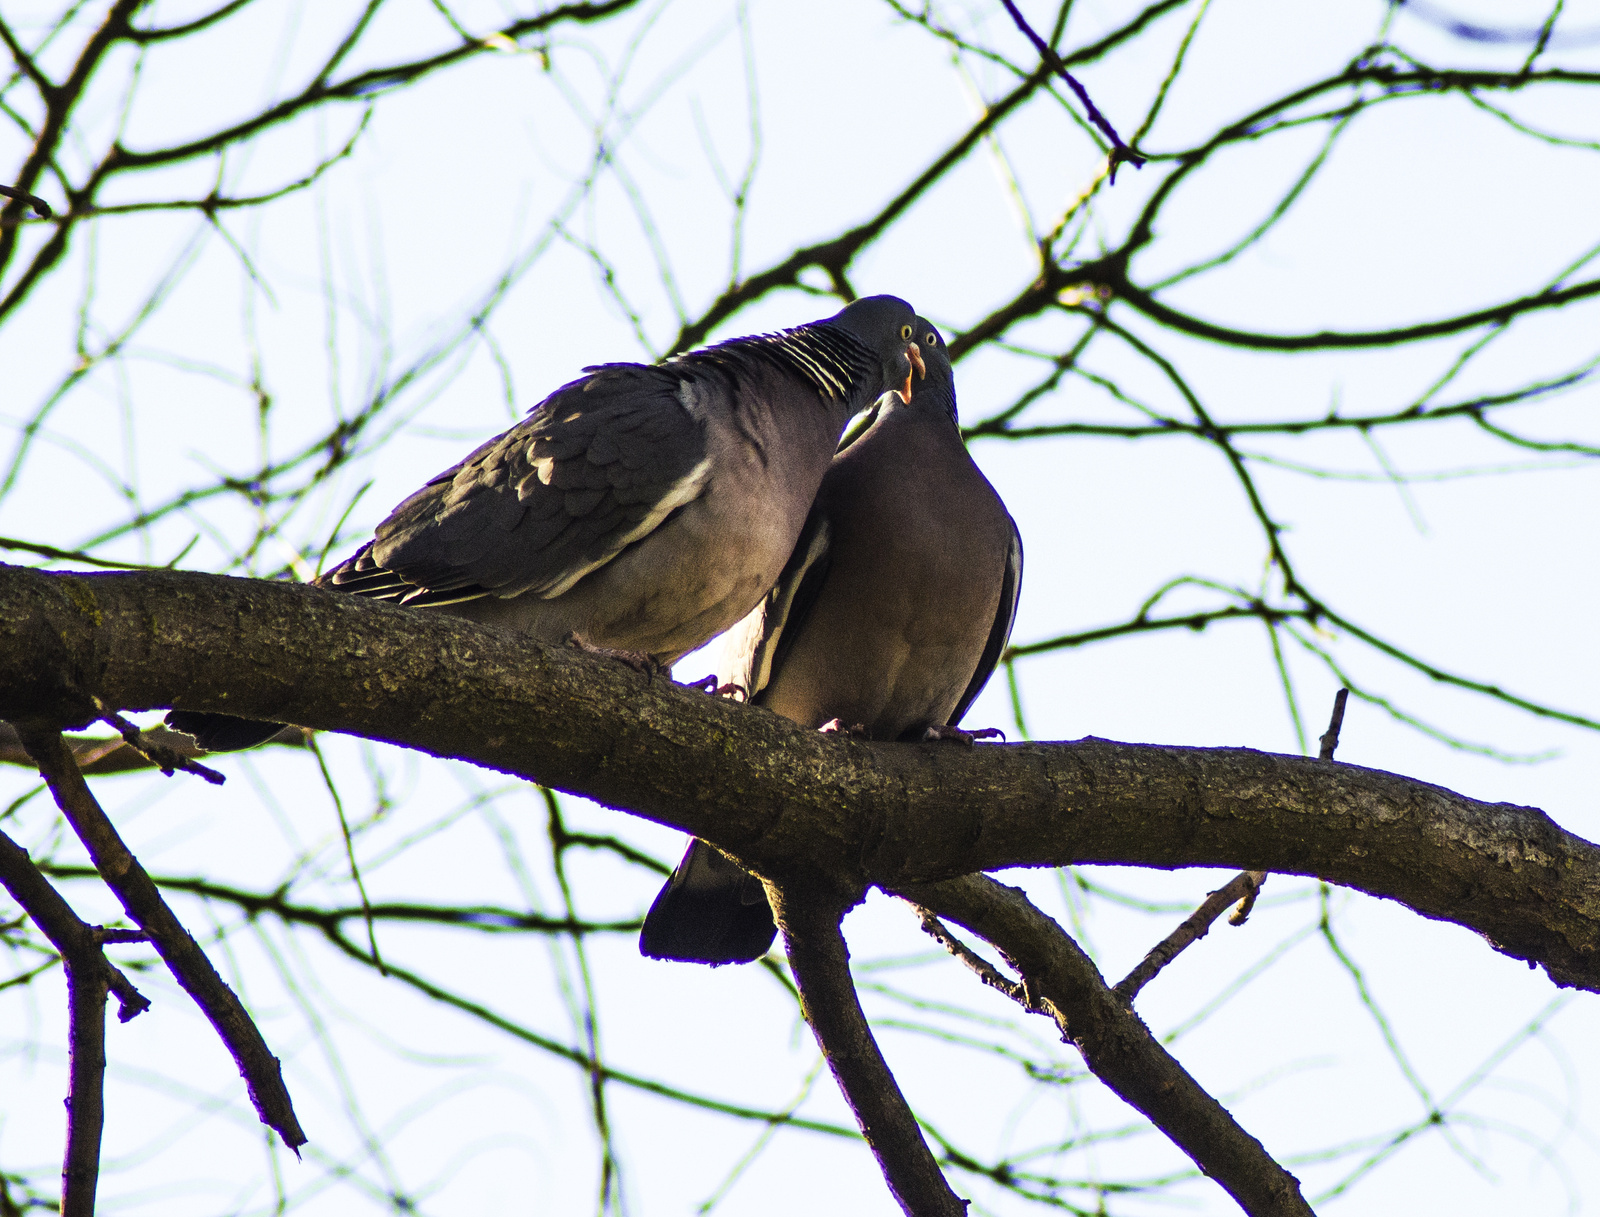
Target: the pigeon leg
pixel 637 660
pixel 836 726
pixel 941 731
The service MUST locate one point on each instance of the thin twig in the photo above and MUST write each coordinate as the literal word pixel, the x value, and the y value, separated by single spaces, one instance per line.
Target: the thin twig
pixel 821 965
pixel 1120 151
pixel 98 754
pixel 163 757
pixel 40 207
pixel 1116 1045
pixel 177 947
pixel 1330 738
pixel 1194 927
pixel 985 971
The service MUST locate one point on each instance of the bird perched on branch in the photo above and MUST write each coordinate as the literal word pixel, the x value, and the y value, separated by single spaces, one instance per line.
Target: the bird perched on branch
pixel 887 622
pixel 639 510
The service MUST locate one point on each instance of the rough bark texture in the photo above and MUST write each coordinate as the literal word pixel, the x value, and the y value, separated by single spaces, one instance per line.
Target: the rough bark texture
pixel 781 799
pixel 1114 1041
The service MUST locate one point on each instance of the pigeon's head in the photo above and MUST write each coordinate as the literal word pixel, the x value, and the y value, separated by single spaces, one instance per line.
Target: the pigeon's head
pixel 936 388
pixel 886 326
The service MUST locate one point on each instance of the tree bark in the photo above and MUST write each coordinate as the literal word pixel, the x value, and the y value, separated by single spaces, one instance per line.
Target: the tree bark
pixel 783 800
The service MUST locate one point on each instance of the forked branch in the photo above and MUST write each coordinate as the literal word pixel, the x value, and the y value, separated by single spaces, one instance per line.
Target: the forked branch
pixel 1116 1045
pixel 177 947
pixel 89 976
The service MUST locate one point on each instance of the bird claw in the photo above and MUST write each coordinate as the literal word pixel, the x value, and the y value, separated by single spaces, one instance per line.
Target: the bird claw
pixel 941 731
pixel 710 686
pixel 836 726
pixel 639 661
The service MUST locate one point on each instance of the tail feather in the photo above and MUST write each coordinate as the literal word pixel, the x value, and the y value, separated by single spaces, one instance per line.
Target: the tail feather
pixel 221 732
pixel 710 911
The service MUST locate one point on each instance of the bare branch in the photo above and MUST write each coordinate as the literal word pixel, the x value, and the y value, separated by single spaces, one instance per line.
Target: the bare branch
pixel 1120 151
pixel 835 256
pixel 1471 31
pixel 40 207
pixel 205 20
pixel 89 975
pixel 1498 314
pixel 486 918
pixel 1240 888
pixel 980 967
pixel 73 938
pixel 362 85
pixel 98 754
pixel 821 965
pixel 776 796
pixel 1116 1044
pixel 1330 738
pixel 59 101
pixel 156 751
pixel 86 1053
pixel 123 874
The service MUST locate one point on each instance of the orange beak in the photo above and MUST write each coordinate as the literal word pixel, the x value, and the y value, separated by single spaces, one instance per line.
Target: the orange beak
pixel 915 355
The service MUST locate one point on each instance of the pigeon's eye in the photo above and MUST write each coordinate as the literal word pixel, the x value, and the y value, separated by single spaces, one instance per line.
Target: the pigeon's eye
pixel 905 331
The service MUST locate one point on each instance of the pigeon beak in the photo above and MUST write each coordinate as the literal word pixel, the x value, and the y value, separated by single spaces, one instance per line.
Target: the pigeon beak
pixel 921 369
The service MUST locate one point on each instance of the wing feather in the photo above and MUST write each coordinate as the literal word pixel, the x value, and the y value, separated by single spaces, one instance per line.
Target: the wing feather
pixel 595 467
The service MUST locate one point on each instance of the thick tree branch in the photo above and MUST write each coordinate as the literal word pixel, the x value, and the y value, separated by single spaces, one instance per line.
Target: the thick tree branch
pixel 1115 1043
pixel 177 947
pixel 821 965
pixel 782 799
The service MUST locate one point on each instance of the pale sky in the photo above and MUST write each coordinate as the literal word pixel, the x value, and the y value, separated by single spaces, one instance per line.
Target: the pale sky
pixel 1428 208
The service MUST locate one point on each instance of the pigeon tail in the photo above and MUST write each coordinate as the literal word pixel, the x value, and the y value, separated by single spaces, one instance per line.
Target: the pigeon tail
pixel 222 732
pixel 711 911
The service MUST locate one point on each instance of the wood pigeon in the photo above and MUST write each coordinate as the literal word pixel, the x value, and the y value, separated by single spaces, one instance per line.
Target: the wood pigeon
pixel 887 622
pixel 639 510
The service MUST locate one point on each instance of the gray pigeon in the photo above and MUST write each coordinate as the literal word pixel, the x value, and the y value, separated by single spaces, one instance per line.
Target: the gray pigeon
pixel 639 510
pixel 887 622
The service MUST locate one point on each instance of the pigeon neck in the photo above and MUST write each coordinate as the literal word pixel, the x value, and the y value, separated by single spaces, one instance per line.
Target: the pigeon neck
pixel 832 361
